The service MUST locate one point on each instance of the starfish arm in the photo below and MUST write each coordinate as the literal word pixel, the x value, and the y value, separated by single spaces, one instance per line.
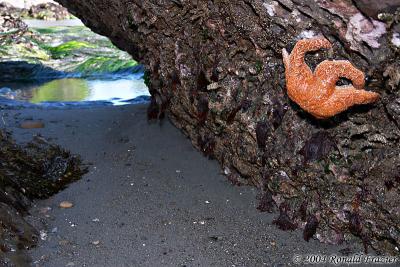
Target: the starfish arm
pixel 285 57
pixel 314 44
pixel 298 66
pixel 354 95
pixel 329 72
pixel 342 98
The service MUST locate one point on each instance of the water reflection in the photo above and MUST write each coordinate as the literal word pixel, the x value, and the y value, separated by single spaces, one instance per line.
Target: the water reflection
pixel 63 90
pixel 118 91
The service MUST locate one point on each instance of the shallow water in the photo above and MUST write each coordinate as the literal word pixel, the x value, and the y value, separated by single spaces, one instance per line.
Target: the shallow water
pixel 63 64
pixel 120 91
pixel 37 23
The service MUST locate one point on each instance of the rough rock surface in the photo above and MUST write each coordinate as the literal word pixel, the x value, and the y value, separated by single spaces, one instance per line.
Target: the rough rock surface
pixel 34 170
pixel 42 11
pixel 215 68
pixel 12 28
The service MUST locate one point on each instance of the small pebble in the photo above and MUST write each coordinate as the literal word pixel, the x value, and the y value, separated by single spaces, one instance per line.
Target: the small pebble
pixel 63 242
pixel 44 210
pixel 32 125
pixel 66 205
pixel 43 235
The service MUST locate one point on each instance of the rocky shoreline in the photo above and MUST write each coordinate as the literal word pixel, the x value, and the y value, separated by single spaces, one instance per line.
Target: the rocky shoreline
pixel 42 11
pixel 33 170
pixel 11 26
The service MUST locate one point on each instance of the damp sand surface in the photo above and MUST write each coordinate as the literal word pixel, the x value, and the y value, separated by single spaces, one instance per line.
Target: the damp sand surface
pixel 149 199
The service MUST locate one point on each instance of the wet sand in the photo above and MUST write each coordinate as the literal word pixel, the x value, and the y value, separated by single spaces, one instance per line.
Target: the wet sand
pixel 149 199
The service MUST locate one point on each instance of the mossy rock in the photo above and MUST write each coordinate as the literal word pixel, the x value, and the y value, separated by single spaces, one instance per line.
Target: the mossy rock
pixel 104 65
pixel 67 48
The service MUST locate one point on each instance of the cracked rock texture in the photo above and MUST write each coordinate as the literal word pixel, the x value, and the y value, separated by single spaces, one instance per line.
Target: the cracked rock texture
pixel 215 69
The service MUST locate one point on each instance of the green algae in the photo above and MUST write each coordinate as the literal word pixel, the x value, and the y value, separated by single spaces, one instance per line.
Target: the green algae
pixel 68 49
pixel 31 53
pixel 50 30
pixel 104 64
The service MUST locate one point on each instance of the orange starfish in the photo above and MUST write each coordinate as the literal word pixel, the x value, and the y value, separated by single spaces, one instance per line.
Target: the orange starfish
pixel 317 92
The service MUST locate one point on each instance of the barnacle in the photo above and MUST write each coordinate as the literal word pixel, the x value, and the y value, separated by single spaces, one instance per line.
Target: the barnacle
pixel 317 93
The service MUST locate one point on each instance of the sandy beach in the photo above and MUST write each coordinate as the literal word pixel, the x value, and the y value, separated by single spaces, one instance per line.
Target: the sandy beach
pixel 149 199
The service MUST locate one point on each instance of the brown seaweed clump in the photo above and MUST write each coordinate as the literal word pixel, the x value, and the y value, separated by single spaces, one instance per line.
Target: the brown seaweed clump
pixel 32 171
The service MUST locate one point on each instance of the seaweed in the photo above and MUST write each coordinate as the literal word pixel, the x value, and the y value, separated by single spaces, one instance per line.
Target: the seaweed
pixel 66 48
pixel 311 227
pixel 175 81
pixel 153 110
pixel 266 202
pixel 35 170
pixel 70 51
pixel 263 129
pixel 302 211
pixel 317 147
pixel 284 222
pixel 232 115
pixel 202 82
pixel 202 109
pixel 207 146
